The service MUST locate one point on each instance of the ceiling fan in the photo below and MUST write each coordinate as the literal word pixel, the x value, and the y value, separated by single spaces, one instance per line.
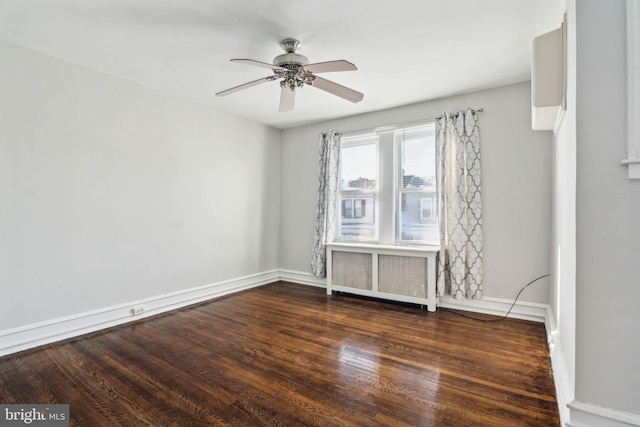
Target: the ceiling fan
pixel 296 72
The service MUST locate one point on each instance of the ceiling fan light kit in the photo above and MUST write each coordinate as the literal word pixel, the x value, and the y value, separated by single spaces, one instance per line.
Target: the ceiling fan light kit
pixel 295 71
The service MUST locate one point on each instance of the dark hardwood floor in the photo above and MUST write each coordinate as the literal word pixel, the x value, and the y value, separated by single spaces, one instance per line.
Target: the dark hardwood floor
pixel 289 355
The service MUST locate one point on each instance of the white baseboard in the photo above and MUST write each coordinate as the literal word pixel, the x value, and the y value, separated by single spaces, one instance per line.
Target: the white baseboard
pixel 303 278
pixel 37 334
pixel 498 307
pixel 564 388
pixel 588 415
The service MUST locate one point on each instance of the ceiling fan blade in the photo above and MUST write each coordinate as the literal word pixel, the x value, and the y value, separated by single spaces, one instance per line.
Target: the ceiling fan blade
pixel 257 64
pixel 338 90
pixel 244 86
pixel 287 98
pixel 329 66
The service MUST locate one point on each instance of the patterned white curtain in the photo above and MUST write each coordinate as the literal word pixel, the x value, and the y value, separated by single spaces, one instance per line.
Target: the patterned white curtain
pixel 326 207
pixel 459 183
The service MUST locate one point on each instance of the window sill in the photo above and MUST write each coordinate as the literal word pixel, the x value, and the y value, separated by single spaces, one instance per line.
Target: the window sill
pixel 634 167
pixel 390 248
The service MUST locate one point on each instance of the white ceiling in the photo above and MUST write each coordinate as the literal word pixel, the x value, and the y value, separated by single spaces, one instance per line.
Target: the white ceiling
pixel 406 51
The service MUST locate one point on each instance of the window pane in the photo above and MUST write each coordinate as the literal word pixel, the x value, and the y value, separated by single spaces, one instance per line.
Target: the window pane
pixel 418 217
pixel 359 208
pixel 418 162
pixel 358 190
pixel 416 197
pixel 358 167
pixel 347 208
pixel 358 218
pixel 428 208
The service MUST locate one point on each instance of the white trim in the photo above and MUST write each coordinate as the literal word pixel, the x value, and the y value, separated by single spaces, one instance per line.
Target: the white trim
pixel 589 415
pixel 559 120
pixel 629 162
pixel 633 90
pixel 388 249
pixel 564 388
pixel 302 278
pixel 498 307
pixel 37 334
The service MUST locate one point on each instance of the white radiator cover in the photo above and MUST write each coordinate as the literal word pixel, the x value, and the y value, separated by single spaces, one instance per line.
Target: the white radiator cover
pixel 396 273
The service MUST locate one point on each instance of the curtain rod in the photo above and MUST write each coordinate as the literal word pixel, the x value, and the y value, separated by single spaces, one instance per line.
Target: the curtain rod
pixel 383 128
pixel 378 128
pixel 479 110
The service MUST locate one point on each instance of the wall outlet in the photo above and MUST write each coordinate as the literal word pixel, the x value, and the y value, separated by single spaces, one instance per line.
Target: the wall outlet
pixel 136 311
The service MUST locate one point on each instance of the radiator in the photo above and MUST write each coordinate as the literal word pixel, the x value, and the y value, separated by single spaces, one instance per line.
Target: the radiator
pixel 395 273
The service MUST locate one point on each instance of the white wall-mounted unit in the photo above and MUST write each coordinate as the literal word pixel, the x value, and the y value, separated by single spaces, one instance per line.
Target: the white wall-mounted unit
pixel 546 80
pixel 397 273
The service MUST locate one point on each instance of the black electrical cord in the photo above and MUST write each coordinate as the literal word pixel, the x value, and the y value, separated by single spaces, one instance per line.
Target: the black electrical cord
pixel 510 308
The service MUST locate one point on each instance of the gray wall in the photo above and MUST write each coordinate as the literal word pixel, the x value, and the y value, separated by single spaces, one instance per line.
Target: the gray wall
pixel 516 186
pixel 112 192
pixel 607 216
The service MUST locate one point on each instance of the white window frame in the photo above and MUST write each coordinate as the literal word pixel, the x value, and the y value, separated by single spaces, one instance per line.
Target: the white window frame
pixel 385 194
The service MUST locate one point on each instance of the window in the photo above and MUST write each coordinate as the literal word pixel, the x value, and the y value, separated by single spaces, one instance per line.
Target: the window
pixel 387 186
pixel 358 189
pixel 415 193
pixel 428 208
pixel 355 208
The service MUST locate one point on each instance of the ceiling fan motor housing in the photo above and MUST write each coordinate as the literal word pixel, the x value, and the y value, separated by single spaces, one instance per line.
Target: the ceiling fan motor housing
pixel 290 60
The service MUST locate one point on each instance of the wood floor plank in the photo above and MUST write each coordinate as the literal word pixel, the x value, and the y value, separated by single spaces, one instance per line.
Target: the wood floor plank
pixel 289 355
